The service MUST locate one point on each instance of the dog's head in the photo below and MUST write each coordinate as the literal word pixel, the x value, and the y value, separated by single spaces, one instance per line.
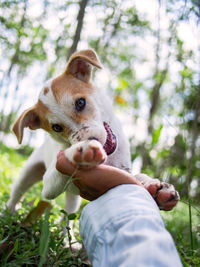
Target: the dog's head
pixel 70 108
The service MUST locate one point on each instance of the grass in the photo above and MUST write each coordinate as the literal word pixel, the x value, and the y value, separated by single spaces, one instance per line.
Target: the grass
pixel 42 243
pixel 178 218
pixel 177 222
pixel 39 243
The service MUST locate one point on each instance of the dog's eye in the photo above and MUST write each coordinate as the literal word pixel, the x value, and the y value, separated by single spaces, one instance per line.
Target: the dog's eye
pixel 80 104
pixel 57 128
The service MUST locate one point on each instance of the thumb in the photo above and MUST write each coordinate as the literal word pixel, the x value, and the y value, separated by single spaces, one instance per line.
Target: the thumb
pixel 63 165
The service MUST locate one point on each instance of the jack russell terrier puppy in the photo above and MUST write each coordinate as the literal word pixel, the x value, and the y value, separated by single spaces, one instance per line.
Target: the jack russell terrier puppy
pixel 78 116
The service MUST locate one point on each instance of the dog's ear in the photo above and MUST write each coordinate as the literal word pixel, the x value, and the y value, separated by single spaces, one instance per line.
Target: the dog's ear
pixel 28 118
pixel 80 64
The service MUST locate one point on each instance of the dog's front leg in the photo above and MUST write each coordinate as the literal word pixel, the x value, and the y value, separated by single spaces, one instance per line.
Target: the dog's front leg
pixel 31 173
pixel 55 183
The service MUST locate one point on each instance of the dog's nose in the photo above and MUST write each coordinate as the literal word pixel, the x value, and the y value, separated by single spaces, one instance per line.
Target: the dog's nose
pixel 93 138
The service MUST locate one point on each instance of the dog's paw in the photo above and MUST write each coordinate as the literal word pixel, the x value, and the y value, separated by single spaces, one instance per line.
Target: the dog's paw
pixel 166 197
pixel 164 194
pixel 86 153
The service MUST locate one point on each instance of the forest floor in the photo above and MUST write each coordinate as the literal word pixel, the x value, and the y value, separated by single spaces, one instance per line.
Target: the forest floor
pixel 28 238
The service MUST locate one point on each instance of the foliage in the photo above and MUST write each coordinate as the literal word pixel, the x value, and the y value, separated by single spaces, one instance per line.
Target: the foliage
pixel 10 164
pixel 188 9
pixel 151 70
pixel 41 243
pixel 177 222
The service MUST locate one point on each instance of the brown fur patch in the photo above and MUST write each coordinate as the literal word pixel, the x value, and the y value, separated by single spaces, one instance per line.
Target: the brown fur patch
pixel 46 90
pixel 42 111
pixel 33 118
pixel 87 55
pixel 66 83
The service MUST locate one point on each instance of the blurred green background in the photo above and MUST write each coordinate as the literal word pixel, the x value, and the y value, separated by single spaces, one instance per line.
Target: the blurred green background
pixel 150 52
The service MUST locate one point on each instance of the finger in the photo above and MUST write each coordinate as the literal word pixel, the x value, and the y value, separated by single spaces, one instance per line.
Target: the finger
pixel 87 196
pixel 85 192
pixel 63 165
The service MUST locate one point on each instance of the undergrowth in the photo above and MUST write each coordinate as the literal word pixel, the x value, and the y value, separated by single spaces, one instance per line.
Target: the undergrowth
pixel 39 243
pixel 177 223
pixel 42 243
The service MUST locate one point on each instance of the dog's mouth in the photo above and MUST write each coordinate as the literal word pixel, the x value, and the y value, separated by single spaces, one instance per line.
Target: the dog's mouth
pixel 111 141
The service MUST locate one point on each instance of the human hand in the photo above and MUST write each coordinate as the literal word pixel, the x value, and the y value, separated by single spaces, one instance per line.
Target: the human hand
pixel 95 181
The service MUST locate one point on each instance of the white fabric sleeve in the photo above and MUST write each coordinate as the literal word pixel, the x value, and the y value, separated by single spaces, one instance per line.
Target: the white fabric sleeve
pixel 124 228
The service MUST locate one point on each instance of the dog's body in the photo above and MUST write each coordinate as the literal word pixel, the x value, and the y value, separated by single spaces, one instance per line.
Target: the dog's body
pixel 78 116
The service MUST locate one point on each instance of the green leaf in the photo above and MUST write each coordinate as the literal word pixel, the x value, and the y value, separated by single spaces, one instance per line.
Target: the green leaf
pixel 156 135
pixel 122 84
pixel 72 216
pixel 64 212
pixel 187 72
pixel 44 239
pixel 4 240
pixel 16 245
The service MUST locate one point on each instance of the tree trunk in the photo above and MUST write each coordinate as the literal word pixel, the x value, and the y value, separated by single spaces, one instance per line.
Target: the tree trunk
pixel 194 138
pixel 80 18
pixel 191 158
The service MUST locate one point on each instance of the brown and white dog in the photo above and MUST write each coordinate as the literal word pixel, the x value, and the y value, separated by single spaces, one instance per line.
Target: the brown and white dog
pixel 78 116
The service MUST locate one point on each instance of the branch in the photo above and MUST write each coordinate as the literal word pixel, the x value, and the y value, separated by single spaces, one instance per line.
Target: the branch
pixel 80 17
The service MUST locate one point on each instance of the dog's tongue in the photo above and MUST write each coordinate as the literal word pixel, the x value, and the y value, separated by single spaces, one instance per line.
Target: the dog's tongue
pixel 111 141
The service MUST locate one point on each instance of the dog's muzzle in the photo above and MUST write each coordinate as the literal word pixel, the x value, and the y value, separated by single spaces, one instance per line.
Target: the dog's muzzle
pixel 111 141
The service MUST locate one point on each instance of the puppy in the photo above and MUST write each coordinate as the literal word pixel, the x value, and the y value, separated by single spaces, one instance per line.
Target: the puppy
pixel 77 116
